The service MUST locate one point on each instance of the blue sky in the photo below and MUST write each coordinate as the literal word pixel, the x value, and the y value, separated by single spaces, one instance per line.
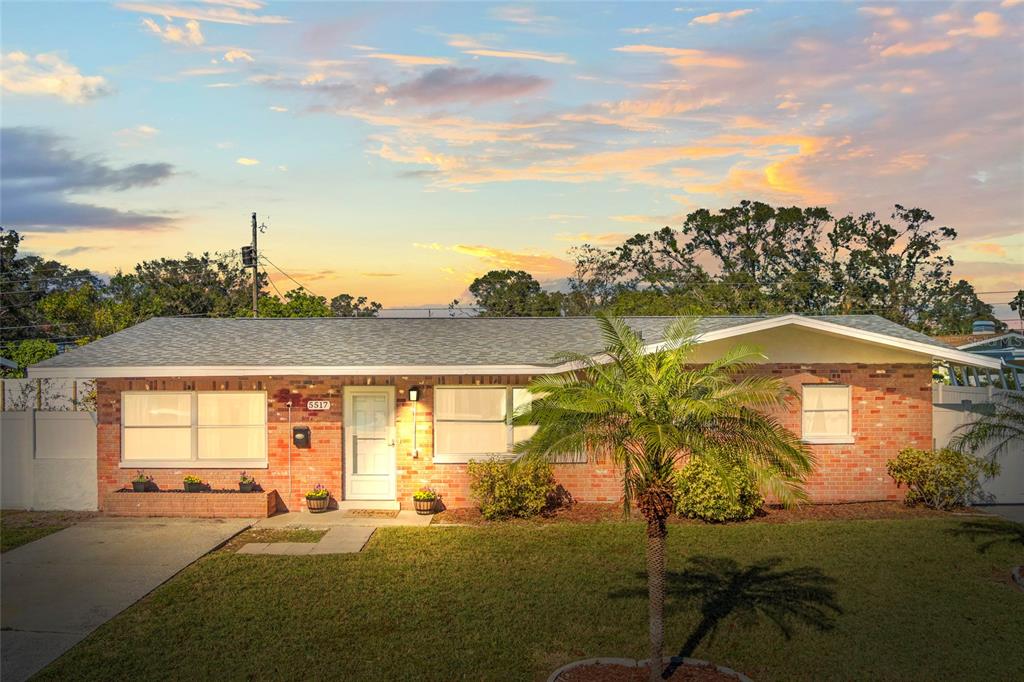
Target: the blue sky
pixel 399 150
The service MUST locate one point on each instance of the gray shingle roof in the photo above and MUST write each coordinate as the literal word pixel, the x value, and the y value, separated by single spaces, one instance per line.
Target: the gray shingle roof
pixel 326 342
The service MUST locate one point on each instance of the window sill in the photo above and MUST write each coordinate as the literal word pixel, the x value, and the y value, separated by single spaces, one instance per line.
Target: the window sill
pixel 464 459
pixel 828 440
pixel 194 464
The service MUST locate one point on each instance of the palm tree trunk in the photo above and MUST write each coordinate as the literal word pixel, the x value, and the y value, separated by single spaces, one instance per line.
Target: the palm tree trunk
pixel 656 534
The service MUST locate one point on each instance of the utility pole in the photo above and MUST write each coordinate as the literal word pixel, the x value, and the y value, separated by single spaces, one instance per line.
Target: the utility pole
pixel 251 259
pixel 255 269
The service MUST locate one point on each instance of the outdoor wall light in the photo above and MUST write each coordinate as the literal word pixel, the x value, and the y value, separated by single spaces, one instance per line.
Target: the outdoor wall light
pixel 414 397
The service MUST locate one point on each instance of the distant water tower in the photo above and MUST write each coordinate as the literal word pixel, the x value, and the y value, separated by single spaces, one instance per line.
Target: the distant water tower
pixel 982 327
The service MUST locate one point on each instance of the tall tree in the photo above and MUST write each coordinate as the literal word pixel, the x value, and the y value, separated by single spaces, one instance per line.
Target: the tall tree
pixel 896 271
pixel 217 285
pixel 347 305
pixel 1017 305
pixel 25 280
pixel 652 410
pixel 296 303
pixel 513 293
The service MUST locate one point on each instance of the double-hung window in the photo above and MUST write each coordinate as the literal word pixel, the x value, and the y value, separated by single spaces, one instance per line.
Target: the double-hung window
pixel 827 414
pixel 190 428
pixel 472 422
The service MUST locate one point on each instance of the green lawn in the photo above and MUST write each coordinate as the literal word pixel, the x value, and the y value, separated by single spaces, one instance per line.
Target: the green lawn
pixel 920 599
pixel 21 527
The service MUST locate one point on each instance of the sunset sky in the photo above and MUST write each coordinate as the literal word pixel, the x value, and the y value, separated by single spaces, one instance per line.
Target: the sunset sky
pixel 399 150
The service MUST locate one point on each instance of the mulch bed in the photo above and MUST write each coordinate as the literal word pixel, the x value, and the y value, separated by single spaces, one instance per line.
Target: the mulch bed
pixel 586 512
pixel 619 673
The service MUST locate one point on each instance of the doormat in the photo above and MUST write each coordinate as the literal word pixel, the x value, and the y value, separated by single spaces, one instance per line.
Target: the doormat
pixel 372 513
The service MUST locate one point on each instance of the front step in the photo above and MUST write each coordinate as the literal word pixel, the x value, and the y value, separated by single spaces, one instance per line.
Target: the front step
pixel 389 505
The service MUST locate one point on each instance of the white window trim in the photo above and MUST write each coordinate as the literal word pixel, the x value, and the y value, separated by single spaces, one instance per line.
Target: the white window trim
pixel 449 458
pixel 813 439
pixel 194 462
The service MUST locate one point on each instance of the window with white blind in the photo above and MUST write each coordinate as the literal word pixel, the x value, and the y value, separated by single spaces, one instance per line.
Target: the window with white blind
pixel 209 429
pixel 472 422
pixel 827 414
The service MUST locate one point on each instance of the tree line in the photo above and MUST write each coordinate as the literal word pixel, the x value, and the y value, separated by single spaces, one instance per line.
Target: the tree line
pixel 754 258
pixel 751 258
pixel 45 303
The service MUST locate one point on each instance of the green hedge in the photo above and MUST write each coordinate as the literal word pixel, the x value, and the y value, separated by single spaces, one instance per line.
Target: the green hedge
pixel 506 490
pixel 940 479
pixel 702 492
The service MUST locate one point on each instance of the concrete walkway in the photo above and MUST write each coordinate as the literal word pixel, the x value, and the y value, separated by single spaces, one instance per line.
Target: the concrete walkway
pixel 347 533
pixel 335 518
pixel 60 588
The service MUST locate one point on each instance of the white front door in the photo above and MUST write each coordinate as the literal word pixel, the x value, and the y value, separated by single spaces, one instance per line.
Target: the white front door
pixel 369 443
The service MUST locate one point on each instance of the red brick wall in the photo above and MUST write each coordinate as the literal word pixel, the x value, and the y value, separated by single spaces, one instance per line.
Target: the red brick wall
pixel 244 506
pixel 891 410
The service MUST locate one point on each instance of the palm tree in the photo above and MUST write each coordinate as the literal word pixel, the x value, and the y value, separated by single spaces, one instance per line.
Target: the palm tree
pixel 998 430
pixel 650 410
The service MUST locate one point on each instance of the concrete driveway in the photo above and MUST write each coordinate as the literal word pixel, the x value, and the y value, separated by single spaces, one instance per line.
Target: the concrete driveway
pixel 1010 512
pixel 60 588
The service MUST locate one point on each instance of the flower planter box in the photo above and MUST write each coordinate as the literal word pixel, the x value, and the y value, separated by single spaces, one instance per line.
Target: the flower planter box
pixel 194 487
pixel 207 504
pixel 317 504
pixel 424 507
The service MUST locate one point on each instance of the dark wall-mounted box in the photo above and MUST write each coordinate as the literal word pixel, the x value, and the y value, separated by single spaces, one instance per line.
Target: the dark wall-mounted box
pixel 300 436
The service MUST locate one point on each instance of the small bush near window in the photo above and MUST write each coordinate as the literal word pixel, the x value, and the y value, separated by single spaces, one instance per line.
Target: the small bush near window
pixel 702 493
pixel 509 490
pixel 940 479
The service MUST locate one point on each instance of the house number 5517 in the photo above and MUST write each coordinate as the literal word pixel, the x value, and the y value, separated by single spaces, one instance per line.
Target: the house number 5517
pixel 318 405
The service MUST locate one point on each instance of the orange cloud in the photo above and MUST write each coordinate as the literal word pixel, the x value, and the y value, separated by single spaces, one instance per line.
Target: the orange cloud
pixel 222 15
pixel 408 59
pixel 916 49
pixel 905 162
pixel 878 11
pixel 515 260
pixel 686 57
pixel 716 17
pixel 988 248
pixel 603 239
pixel 521 54
pixel 986 25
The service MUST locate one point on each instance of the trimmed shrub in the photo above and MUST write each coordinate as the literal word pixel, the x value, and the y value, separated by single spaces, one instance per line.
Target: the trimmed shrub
pixel 507 490
pixel 702 493
pixel 940 479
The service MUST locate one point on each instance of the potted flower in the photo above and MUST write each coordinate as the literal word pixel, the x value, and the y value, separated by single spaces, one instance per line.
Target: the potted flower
pixel 424 500
pixel 317 499
pixel 245 483
pixel 141 481
pixel 193 484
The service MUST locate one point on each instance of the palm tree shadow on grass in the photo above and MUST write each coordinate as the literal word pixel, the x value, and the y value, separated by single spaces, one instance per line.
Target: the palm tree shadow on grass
pixel 990 532
pixel 725 590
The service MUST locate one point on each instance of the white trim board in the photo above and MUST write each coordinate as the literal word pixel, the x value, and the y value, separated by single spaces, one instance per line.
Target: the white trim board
pixel 142 372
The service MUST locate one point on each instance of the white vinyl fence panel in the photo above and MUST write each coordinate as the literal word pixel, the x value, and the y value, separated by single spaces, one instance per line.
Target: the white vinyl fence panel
pixel 953 406
pixel 48 455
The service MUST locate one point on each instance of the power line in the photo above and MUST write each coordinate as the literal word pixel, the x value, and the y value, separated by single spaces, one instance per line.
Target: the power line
pixel 289 276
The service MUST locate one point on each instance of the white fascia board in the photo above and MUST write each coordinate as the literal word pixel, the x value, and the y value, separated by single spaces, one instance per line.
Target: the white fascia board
pixel 932 351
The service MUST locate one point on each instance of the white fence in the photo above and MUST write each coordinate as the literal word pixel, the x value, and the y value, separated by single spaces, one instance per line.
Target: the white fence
pixel 953 406
pixel 47 445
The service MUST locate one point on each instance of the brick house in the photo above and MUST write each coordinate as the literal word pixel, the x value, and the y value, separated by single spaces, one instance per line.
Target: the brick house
pixel 374 409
